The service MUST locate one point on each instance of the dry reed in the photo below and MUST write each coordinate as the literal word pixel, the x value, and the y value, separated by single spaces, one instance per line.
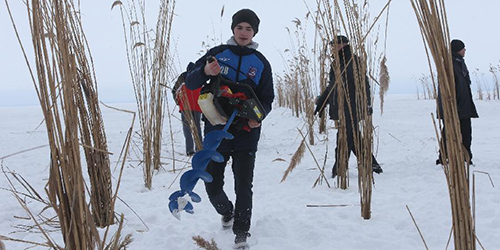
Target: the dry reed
pixel 296 158
pixel 431 17
pixel 295 88
pixel 58 81
pixel 204 244
pixel 91 126
pixel 384 77
pixel 354 19
pixel 324 58
pixel 188 114
pixel 65 85
pixel 480 92
pixel 329 21
pixel 418 229
pixel 384 80
pixel 496 84
pixel 150 61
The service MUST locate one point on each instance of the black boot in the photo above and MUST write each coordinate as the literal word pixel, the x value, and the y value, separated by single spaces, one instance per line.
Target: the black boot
pixel 227 220
pixel 334 170
pixel 376 168
pixel 240 241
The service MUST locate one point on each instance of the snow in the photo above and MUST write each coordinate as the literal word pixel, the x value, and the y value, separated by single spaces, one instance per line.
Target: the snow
pixel 405 144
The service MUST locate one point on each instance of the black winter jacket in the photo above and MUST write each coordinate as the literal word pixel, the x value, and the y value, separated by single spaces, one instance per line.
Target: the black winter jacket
pixel 465 103
pixel 349 83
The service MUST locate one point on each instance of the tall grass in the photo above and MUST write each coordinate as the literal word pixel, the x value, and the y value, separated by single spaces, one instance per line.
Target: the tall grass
pixel 352 19
pixel 305 67
pixel 331 19
pixel 427 87
pixel 150 63
pixel 384 77
pixel 496 84
pixel 66 88
pixel 431 16
pixel 486 89
pixel 300 75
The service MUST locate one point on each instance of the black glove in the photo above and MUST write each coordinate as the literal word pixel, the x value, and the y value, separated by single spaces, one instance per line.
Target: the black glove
pixel 318 110
pixel 370 110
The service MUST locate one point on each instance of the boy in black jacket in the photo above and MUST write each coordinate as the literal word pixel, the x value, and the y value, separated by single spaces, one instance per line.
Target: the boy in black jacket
pixel 237 61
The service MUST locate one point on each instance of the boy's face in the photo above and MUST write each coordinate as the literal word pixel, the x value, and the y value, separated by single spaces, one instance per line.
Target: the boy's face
pixel 243 34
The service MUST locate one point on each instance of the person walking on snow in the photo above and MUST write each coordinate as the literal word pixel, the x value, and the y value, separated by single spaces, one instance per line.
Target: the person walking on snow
pixel 343 49
pixel 237 61
pixel 465 103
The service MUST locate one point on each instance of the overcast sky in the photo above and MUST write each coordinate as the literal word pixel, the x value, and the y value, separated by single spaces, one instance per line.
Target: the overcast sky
pixel 474 22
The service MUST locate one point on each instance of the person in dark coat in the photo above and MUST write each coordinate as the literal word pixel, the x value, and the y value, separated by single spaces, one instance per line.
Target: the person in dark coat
pixel 465 103
pixel 238 61
pixel 326 98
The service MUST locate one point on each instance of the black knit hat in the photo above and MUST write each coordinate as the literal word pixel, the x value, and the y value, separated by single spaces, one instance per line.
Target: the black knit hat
pixel 340 39
pixel 246 15
pixel 457 45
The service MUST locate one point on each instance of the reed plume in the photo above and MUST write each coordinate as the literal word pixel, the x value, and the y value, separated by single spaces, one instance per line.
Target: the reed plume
pixel 296 158
pixel 384 79
pixel 204 244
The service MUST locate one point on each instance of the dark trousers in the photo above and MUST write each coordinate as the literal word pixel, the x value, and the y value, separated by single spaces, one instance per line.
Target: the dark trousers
pixel 243 166
pixel 350 141
pixel 188 134
pixel 466 131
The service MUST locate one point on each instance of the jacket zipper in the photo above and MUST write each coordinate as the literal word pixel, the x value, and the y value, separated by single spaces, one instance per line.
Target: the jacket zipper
pixel 238 71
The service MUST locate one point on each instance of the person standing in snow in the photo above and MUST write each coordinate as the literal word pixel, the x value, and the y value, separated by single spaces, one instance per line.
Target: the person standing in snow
pixel 343 49
pixel 190 111
pixel 237 61
pixel 465 103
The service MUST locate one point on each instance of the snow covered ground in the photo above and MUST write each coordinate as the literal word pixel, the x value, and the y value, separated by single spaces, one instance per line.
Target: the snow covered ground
pixel 405 144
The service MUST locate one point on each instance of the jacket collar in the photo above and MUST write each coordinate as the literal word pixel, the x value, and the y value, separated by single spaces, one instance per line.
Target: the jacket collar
pixel 252 45
pixel 455 55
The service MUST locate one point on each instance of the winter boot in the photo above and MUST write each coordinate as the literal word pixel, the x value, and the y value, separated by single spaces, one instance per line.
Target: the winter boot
pixel 240 241
pixel 227 221
pixel 439 162
pixel 334 170
pixel 377 168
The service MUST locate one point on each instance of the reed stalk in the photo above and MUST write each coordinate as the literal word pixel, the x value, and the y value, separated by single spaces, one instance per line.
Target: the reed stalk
pixel 496 83
pixel 183 97
pixel 150 64
pixel 432 19
pixel 353 18
pixel 91 126
pixel 57 89
pixel 65 84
